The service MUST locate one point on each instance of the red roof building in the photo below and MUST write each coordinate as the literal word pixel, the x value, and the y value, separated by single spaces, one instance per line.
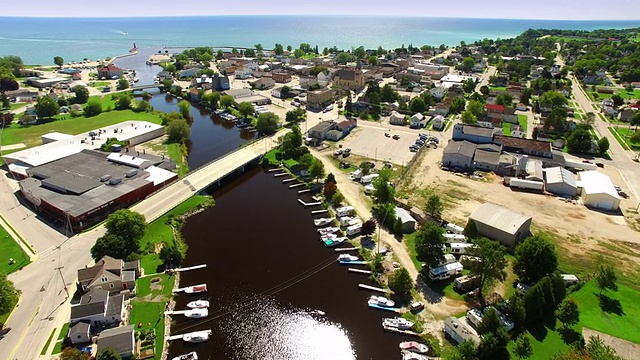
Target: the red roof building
pixel 495 108
pixel 109 72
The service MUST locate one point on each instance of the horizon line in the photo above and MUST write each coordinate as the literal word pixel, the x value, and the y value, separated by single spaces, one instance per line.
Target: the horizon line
pixel 311 15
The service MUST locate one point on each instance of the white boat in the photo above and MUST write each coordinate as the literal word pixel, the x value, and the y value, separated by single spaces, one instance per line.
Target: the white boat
pixel 328 230
pixel 196 289
pixel 322 221
pixel 197 313
pixel 334 241
pixel 414 346
pixel 197 336
pixel 381 301
pixel 346 258
pixel 408 355
pixel 136 79
pixel 198 304
pixel 397 322
pixel 190 356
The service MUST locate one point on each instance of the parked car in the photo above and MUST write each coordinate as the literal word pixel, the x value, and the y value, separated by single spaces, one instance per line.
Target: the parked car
pixel 623 194
pixel 396 137
pixel 346 152
pixel 387 134
pixel 337 152
pixel 417 306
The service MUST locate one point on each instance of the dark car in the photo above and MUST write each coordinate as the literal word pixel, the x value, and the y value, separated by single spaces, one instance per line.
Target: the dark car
pixel 623 194
pixel 396 137
pixel 387 134
pixel 346 152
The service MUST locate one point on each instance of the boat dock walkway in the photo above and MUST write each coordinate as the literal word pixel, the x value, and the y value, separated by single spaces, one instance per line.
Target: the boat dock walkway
pixel 280 174
pixel 346 249
pixel 304 191
pixel 275 169
pixel 176 312
pixel 373 288
pixel 399 331
pixel 297 185
pixel 357 262
pixel 309 204
pixel 288 180
pixel 195 267
pixel 185 288
pixel 319 211
pixel 178 337
pixel 360 271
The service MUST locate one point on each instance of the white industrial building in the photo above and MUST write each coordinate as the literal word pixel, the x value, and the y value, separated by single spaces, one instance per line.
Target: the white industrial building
pixel 502 224
pixel 560 181
pixel 597 191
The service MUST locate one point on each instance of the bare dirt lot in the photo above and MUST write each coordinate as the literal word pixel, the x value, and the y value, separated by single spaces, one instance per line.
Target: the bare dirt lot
pixel 371 142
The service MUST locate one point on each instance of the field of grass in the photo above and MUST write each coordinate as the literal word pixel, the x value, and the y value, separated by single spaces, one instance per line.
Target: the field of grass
pixel 629 95
pixel 174 151
pixel 622 135
pixel 498 88
pixel 522 120
pixel 158 231
pixel 10 249
pixel 46 345
pixel 99 84
pixel 151 316
pixel 410 243
pixel 506 128
pixel 544 347
pixel 30 134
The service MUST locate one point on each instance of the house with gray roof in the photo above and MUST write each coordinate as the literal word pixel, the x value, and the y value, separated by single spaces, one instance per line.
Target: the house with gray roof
pixel 408 222
pixel 475 133
pixel 459 154
pixel 121 340
pixel 112 275
pixel 80 332
pixel 98 308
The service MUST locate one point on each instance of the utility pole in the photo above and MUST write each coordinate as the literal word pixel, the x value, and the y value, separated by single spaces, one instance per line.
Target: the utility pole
pixel 59 268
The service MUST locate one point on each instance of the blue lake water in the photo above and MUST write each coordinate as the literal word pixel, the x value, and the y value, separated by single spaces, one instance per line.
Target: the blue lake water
pixel 38 40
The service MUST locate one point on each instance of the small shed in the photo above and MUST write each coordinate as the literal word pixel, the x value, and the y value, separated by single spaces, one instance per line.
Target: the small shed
pixel 79 333
pixel 408 222
pixel 560 181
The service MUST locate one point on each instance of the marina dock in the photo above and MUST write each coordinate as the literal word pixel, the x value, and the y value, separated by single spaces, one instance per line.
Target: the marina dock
pixel 275 169
pixel 288 180
pixel 179 337
pixel 398 331
pixel 354 263
pixel 319 211
pixel 346 249
pixel 175 312
pixel 176 291
pixel 309 204
pixel 303 191
pixel 280 174
pixel 296 185
pixel 195 267
pixel 373 288
pixel 359 271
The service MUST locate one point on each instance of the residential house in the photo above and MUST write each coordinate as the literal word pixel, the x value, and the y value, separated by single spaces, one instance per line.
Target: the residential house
pixel 347 125
pixel 474 133
pixel 438 92
pixel 221 82
pixel 438 122
pixel 351 79
pixel 164 75
pixel 626 114
pixel 418 121
pixel 510 115
pixel 459 154
pixel 109 72
pixel 277 92
pixel 80 332
pixel 373 74
pixel 397 119
pixel 318 99
pixel 636 84
pixel 281 77
pixel 121 340
pixel 189 73
pixel 324 78
pixel 263 83
pixel 98 308
pixel 203 82
pixel 521 107
pixel 194 95
pixel 494 110
pixel 319 132
pixel 113 275
pixel 243 73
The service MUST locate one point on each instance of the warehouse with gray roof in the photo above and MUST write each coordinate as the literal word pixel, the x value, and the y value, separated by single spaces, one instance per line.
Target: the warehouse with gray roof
pixel 560 181
pixel 502 224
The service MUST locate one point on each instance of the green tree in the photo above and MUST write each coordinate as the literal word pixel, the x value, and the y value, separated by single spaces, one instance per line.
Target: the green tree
pixel 553 98
pixel 535 258
pixel 490 322
pixel 8 294
pixel 475 107
pixel 278 49
pixel 170 255
pixel 467 64
pixel 523 348
pixel 417 104
pixel 617 100
pixel 430 246
pixel 547 290
pixel 606 277
pixel 525 96
pixel 504 99
pixel 143 106
pixel 246 108
pixel 457 105
pixel 93 107
pixel 360 52
pixel 516 311
pixel 72 353
pixel 210 100
pixel 267 123
pixel 534 304
pixel 166 85
pixel 46 107
pixel 364 168
pixel 568 313
pixel 250 53
pixel 295 115
pixel 329 189
pixel 7 84
pixel 178 131
pixel 108 354
pixel 469 85
pixel 635 120
pixel 434 206
pixel 81 94
pixel 122 84
pixel 579 142
pixel 557 119
pixel 493 345
pixel 337 198
pixel 382 191
pixel 598 350
pixel 401 283
pixel 484 90
pixel 316 170
pixel 127 224
pixel 227 101
pixel 467 117
pixel 123 102
pixel 372 60
pixel 58 60
pixel 492 267
pixel 111 245
pixel 185 109
pixel 559 287
pixel 471 230
pixel 603 146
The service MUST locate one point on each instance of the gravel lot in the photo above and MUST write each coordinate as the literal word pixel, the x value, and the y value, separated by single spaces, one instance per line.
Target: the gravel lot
pixel 372 143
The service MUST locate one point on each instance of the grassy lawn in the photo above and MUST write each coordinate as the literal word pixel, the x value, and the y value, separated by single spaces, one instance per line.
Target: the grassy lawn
pixel 522 120
pixel 158 231
pixel 30 134
pixel 410 243
pixel 64 331
pixel 175 152
pixel 46 345
pixel 577 116
pixel 151 316
pixel 506 128
pixel 622 134
pixel 635 94
pixel 143 286
pixel 10 249
pixel 498 88
pixel 98 84
pixel 544 348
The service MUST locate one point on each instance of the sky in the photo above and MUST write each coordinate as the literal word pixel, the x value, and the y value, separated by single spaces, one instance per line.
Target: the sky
pixel 507 9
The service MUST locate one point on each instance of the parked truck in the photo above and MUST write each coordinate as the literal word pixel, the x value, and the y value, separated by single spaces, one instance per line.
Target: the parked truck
pixel 526 184
pixel 579 165
pixel 344 211
pixel 444 272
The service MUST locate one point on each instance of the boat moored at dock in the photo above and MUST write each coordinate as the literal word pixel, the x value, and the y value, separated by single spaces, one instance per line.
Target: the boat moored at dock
pixel 197 313
pixel 322 221
pixel 397 322
pixel 414 346
pixel 189 356
pixel 328 230
pixel 198 304
pixel 197 336
pixel 334 241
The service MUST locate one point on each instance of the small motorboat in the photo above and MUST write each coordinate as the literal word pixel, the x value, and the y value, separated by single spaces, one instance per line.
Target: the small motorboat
pixel 328 230
pixel 190 356
pixel 347 258
pixel 196 289
pixel 414 346
pixel 197 336
pixel 322 221
pixel 198 304
pixel 397 323
pixel 334 241
pixel 197 313
pixel 408 355
pixel 381 301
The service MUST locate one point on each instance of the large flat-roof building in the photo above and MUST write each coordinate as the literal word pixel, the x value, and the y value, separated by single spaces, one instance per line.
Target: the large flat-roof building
pixel 459 154
pixel 502 224
pixel 597 191
pixel 560 181
pixel 85 187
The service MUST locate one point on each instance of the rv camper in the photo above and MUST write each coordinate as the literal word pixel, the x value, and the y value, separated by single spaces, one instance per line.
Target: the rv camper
pixel 460 248
pixel 445 271
pixel 466 283
pixel 454 229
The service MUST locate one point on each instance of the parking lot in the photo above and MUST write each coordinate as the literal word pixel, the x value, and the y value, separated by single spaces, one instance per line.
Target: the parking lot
pixel 371 142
